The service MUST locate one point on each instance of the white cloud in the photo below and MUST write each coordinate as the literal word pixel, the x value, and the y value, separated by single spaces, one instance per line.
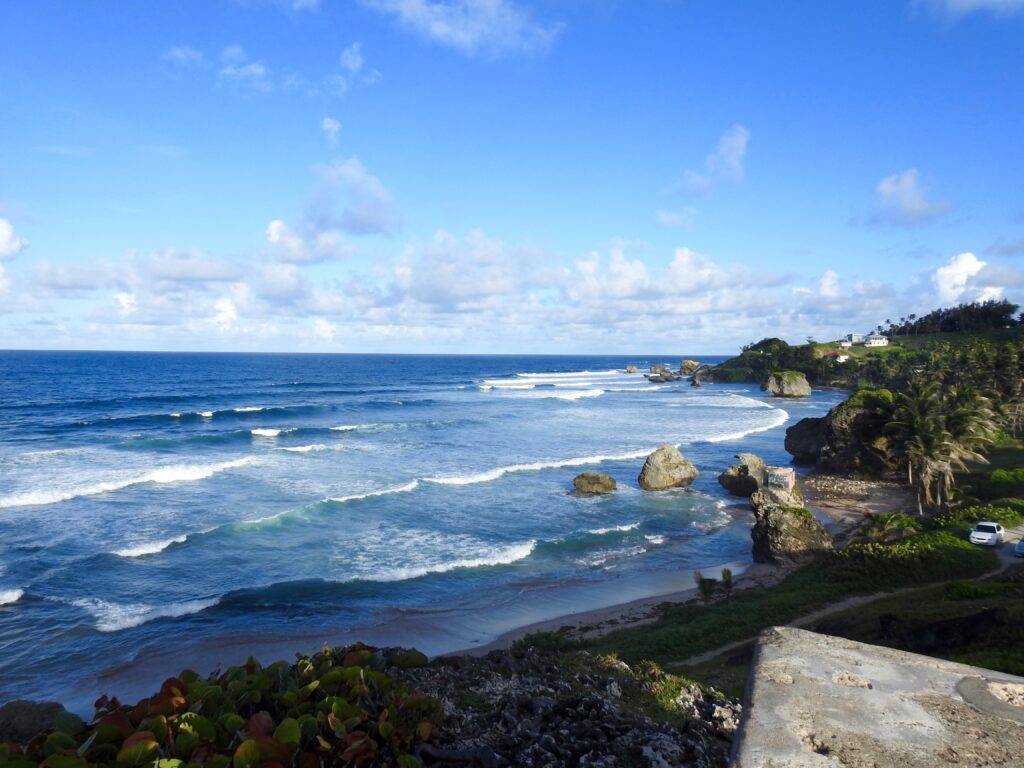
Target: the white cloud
pixel 331 128
pixel 951 279
pixel 239 70
pixel 187 265
pixel 900 200
pixel 184 56
pixel 367 204
pixel 351 58
pixel 10 246
pixel 127 303
pixel 288 246
pixel 5 281
pixel 225 314
pixel 324 329
pixel 958 8
pixel 1006 248
pixel 681 218
pixel 493 27
pixel 724 164
pixel 828 285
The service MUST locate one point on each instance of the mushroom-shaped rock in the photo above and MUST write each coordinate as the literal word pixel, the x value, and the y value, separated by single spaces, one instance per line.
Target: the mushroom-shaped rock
pixel 688 367
pixel 744 478
pixel 805 439
pixel 787 384
pixel 591 483
pixel 784 534
pixel 666 468
pixel 701 375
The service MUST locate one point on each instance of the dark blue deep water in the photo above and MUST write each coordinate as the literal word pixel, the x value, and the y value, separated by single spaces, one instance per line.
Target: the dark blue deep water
pixel 163 511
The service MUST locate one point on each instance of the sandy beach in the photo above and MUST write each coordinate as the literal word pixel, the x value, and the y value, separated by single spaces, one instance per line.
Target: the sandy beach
pixel 843 503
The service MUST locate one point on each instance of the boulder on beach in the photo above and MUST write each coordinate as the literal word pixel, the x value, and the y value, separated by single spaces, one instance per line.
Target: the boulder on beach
pixel 787 384
pixel 805 439
pixel 855 442
pixel 745 478
pixel 688 367
pixel 666 468
pixel 21 721
pixel 785 534
pixel 592 483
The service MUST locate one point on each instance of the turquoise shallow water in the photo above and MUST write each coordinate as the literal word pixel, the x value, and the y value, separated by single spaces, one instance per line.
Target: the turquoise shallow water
pixel 159 511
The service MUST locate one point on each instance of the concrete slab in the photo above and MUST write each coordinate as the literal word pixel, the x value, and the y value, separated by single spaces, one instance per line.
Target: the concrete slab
pixel 820 701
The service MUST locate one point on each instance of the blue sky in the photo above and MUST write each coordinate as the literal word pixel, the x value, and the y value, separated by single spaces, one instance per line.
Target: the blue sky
pixel 502 175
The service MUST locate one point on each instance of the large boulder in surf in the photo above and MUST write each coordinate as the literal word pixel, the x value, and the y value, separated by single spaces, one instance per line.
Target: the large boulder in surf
pixel 666 468
pixel 805 439
pixel 787 384
pixel 688 367
pixel 593 483
pixel 21 721
pixel 785 534
pixel 701 375
pixel 744 478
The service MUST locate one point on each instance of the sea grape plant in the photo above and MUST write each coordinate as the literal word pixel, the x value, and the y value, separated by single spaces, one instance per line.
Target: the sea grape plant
pixel 335 707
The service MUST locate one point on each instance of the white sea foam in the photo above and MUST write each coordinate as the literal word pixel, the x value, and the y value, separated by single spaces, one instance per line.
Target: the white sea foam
pixel 175 415
pixel 780 418
pixel 112 617
pixel 600 558
pixel 497 556
pixel 266 432
pixel 8 596
pixel 655 540
pixel 175 473
pixel 206 414
pixel 555 376
pixel 602 531
pixel 350 427
pixel 150 548
pixel 410 486
pixel 635 389
pixel 306 448
pixel 494 474
pixel 250 409
pixel 577 395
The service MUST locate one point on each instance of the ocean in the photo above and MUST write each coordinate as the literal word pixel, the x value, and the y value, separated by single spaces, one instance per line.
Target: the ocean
pixel 169 511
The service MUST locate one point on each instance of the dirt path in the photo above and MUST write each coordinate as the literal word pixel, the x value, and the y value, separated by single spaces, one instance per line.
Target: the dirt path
pixel 1004 553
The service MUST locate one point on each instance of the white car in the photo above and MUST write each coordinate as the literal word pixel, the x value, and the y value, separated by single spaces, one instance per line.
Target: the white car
pixel 989 534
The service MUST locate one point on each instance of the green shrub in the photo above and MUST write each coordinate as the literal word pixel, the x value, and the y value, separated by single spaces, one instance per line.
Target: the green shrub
pixel 1006 482
pixel 554 642
pixel 960 521
pixel 971 590
pixel 871 398
pixel 337 707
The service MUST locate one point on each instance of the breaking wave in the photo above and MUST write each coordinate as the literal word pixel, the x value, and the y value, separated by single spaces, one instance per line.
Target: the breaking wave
pixel 8 596
pixel 493 474
pixel 112 617
pixel 150 548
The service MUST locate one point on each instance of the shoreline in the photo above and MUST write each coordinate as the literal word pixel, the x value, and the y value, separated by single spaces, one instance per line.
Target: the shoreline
pixel 844 503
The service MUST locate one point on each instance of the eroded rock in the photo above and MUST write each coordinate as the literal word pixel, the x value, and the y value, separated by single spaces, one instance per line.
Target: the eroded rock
pixel 785 533
pixel 666 468
pixel 593 483
pixel 787 384
pixel 745 478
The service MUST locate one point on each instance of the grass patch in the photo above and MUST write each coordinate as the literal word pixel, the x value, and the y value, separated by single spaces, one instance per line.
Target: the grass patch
pixel 688 630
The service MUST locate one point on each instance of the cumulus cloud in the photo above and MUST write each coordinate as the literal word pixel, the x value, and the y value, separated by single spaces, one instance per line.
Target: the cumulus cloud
pixel 951 279
pixel 10 246
pixel 351 59
pixel 366 204
pixel 901 200
pixel 491 27
pixel 724 164
pixel 288 246
pixel 331 129
pixel 187 265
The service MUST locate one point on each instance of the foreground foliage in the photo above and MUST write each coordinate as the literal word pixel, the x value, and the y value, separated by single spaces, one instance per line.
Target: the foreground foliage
pixel 337 707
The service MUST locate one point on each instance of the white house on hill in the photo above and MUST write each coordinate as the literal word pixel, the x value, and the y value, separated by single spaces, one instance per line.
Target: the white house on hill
pixel 855 338
pixel 876 340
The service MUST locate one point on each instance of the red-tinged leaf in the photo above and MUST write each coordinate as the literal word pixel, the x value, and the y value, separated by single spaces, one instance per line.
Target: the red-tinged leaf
pixel 119 721
pixel 260 724
pixel 174 686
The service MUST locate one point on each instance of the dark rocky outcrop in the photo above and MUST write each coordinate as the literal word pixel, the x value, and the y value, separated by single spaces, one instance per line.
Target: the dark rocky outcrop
pixel 785 532
pixel 593 483
pixel 666 468
pixel 855 442
pixel 21 720
pixel 787 384
pixel 744 478
pixel 805 439
pixel 533 708
pixel 702 374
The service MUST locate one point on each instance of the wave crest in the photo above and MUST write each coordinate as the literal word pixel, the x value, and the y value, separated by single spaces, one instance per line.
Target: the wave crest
pixel 8 596
pixel 112 617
